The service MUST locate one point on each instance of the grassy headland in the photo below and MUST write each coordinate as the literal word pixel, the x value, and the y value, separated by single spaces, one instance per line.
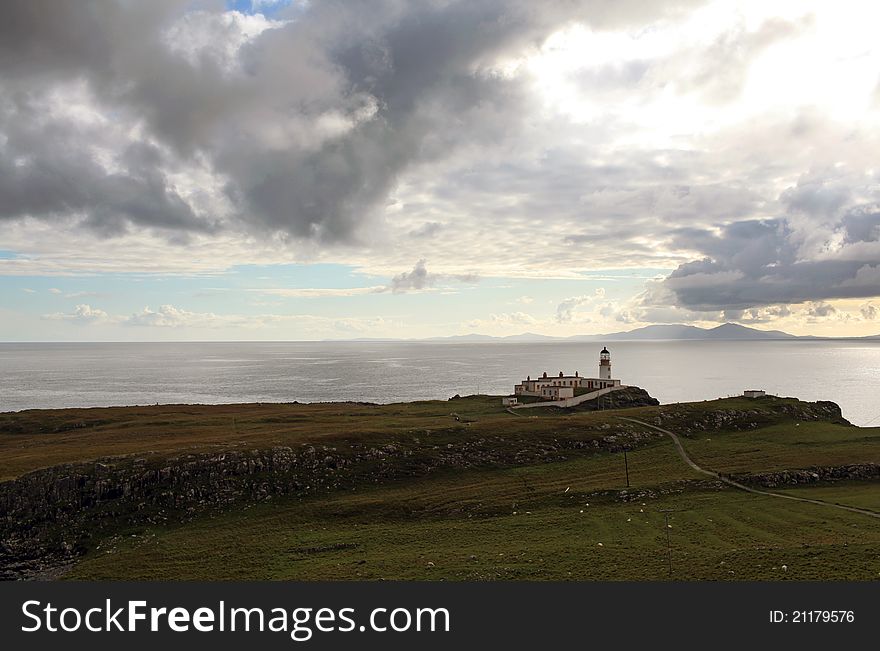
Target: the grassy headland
pixel 458 489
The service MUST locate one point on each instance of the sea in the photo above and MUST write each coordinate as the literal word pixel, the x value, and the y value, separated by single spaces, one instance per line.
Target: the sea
pixel 55 375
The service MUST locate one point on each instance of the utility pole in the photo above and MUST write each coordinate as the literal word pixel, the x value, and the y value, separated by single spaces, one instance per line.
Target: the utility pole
pixel 666 513
pixel 668 543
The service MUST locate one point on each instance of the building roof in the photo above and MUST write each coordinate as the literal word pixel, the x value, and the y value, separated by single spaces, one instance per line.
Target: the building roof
pixel 564 377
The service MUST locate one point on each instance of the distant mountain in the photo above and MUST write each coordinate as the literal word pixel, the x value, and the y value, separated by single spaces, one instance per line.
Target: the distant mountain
pixel 725 332
pixel 648 333
pixel 670 332
pixel 730 331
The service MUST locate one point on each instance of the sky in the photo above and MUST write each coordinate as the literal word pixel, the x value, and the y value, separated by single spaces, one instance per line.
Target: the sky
pixel 288 170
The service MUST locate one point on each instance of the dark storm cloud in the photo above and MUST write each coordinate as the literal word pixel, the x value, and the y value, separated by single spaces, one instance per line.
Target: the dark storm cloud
pixel 47 167
pixel 760 263
pixel 310 128
pixel 48 40
pixel 46 173
pixel 862 224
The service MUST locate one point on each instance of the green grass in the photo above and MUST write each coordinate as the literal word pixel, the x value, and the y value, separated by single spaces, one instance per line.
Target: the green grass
pixel 560 519
pixel 784 446
pixel 860 495
pixel 514 524
pixel 34 439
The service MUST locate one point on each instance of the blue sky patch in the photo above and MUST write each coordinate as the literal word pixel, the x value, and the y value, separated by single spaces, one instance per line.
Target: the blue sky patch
pixel 265 7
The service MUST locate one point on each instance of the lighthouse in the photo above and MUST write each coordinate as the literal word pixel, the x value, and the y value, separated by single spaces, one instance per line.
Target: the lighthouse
pixel 549 387
pixel 604 364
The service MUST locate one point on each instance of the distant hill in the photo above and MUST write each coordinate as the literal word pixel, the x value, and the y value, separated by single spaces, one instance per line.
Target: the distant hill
pixel 650 332
pixel 735 331
pixel 679 332
pixel 666 332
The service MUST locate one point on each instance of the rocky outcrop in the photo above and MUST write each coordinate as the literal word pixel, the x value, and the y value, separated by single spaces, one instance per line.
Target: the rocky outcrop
pixel 813 475
pixel 623 398
pixel 688 420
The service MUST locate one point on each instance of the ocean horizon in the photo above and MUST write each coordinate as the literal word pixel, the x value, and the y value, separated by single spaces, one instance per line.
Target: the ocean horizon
pixel 63 375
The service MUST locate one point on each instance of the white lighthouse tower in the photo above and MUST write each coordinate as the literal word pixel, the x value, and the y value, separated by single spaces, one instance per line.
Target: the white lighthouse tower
pixel 604 364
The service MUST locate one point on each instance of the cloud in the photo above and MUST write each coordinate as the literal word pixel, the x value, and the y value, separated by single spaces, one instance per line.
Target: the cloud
pixel 82 314
pixel 869 311
pixel 190 120
pixel 168 316
pixel 305 124
pixel 420 279
pixel 825 248
pixel 426 230
pixel 821 310
pixel 759 315
pixel 867 278
pixel 513 318
pixel 54 290
pixel 719 70
pixel 51 169
pixel 566 310
pixel 514 139
pixel 416 280
pixel 504 321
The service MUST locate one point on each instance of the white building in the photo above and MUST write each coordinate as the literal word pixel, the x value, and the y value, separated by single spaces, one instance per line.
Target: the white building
pixel 754 393
pixel 564 386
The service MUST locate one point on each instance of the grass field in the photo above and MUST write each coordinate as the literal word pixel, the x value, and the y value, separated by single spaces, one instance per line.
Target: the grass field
pixel 406 533
pixel 35 439
pixel 573 519
pixel 779 447
pixel 558 521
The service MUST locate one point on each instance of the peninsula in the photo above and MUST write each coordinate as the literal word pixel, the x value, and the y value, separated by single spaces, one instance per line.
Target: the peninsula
pixel 463 489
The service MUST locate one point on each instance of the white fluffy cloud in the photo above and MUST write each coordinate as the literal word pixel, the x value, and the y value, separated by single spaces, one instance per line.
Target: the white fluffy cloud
pixel 168 316
pixel 83 314
pixel 566 311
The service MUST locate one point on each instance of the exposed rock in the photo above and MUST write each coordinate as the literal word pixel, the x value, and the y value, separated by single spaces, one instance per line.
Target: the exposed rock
pixel 624 398
pixel 686 420
pixel 813 475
